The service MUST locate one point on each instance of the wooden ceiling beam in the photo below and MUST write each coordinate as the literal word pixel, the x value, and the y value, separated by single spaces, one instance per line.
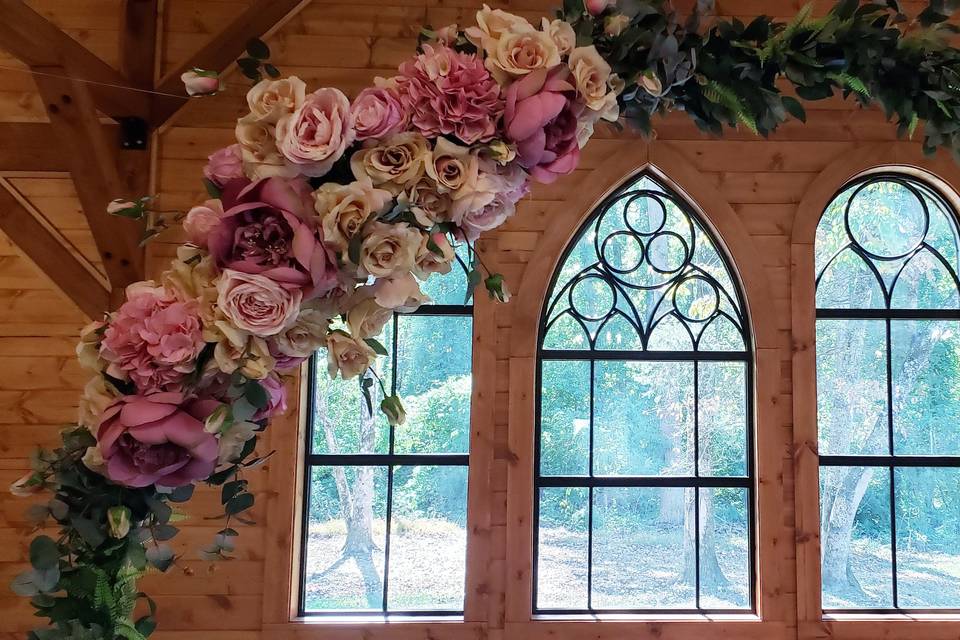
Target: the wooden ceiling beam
pixel 260 19
pixel 39 43
pixel 51 255
pixel 34 146
pixel 93 160
pixel 138 42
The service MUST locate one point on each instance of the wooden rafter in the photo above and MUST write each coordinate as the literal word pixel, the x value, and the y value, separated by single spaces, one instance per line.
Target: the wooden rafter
pixel 50 254
pixel 39 43
pixel 138 42
pixel 94 165
pixel 258 20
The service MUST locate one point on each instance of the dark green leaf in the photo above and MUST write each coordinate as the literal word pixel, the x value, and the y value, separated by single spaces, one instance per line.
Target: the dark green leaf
pixel 271 70
pixel 89 531
pixel 257 48
pixel 256 395
pixel 223 475
pixel 44 553
pixel 239 503
pixel 231 489
pixel 378 348
pixel 212 190
pixel 160 556
pixel 164 532
pixel 181 494
pixel 794 108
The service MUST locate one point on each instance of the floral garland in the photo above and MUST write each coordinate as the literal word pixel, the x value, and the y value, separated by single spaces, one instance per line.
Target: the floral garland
pixel 326 214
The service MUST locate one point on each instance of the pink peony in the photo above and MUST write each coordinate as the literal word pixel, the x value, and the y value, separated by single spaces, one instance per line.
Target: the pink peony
pixel 377 113
pixel 277 394
pixel 450 93
pixel 157 439
pixel 314 137
pixel 257 304
pixel 541 117
pixel 268 228
pixel 153 339
pixel 224 165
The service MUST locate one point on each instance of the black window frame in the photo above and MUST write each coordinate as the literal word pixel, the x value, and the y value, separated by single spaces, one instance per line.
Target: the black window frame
pixel 388 460
pixel 696 482
pixel 892 461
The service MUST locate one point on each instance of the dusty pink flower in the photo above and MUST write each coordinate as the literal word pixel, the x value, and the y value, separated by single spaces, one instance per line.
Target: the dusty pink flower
pixel 201 220
pixel 314 136
pixel 198 82
pixel 498 191
pixel 277 398
pixel 450 93
pixel 157 439
pixel 224 165
pixel 541 118
pixel 377 113
pixel 257 304
pixel 596 7
pixel 153 339
pixel 268 228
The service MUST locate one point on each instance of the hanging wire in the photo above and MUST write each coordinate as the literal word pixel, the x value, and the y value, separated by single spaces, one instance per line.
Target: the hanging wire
pixel 94 82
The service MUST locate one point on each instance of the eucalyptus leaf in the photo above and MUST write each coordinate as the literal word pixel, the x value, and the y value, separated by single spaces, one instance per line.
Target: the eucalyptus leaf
pixel 160 556
pixel 44 553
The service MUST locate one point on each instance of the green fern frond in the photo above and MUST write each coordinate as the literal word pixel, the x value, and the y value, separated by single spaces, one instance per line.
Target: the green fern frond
pixel 912 127
pixel 851 82
pixel 725 97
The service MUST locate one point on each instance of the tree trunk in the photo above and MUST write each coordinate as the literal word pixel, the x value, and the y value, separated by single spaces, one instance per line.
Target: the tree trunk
pixel 711 575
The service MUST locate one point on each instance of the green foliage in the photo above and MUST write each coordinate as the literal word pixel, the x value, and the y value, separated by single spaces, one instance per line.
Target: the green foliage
pixel 731 73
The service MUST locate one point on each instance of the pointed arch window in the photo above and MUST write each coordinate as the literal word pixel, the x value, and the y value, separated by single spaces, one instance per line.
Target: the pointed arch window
pixel 888 376
pixel 644 464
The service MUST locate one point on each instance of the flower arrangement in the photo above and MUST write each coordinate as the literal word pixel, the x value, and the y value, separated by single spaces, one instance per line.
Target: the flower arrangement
pixel 326 215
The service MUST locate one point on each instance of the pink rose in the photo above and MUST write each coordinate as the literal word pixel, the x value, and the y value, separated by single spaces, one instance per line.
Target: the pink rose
pixel 201 220
pixel 224 165
pixel 268 228
pixel 377 113
pixel 277 398
pixel 596 7
pixel 541 118
pixel 313 137
pixel 153 339
pixel 257 304
pixel 157 439
pixel 450 93
pixel 198 82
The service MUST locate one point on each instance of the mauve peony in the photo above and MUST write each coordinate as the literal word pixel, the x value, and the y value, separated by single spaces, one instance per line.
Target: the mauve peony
pixel 153 339
pixel 314 137
pixel 224 165
pixel 256 304
pixel 276 398
pixel 541 117
pixel 268 229
pixel 450 93
pixel 157 439
pixel 377 112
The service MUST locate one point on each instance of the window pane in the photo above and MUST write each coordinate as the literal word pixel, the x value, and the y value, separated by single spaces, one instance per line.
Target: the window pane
pixel 562 549
pixel 428 538
pixel 345 539
pixel 448 288
pixel 341 423
pixel 855 537
pixel 565 418
pixel 641 425
pixel 928 537
pixel 643 548
pixel 722 406
pixel 433 381
pixel 724 548
pixel 926 375
pixel 852 386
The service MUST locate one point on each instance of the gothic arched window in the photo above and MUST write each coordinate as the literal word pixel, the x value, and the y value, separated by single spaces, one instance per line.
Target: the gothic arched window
pixel 888 397
pixel 644 463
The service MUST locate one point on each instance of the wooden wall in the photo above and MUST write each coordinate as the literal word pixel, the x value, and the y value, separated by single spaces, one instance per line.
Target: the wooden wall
pixel 347 43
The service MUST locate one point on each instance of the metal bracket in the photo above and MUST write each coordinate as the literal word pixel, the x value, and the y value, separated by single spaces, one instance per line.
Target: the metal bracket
pixel 134 133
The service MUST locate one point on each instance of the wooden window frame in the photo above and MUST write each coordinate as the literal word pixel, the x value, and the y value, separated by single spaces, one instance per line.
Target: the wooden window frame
pixel 284 507
pixel 772 615
pixel 812 623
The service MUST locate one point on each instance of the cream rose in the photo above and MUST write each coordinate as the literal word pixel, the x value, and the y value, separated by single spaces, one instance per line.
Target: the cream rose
pixel 433 259
pixel 256 304
pixel 307 334
pixel 519 53
pixel 429 206
pixel 88 349
pixel 237 350
pixel 451 166
pixel 97 396
pixel 367 318
pixel 270 100
pixel 313 137
pixel 258 150
pixel 192 276
pixel 388 250
pixel 401 293
pixel 343 209
pixel 561 33
pixel 591 74
pixel 493 23
pixel 394 164
pixel 346 354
